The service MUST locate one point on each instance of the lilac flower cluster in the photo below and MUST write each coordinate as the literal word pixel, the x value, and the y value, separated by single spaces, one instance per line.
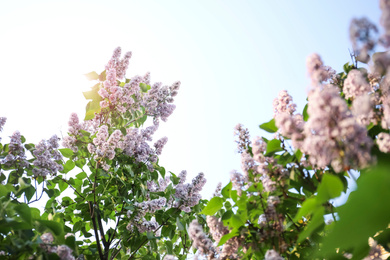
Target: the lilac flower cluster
pixel 332 135
pixel 317 71
pixel 289 124
pixel 283 103
pixel 272 255
pixel 16 154
pixel 383 142
pixel 47 157
pixel 138 217
pixel 201 241
pixel 74 131
pixel 188 195
pixel 385 21
pixel 355 85
pixel 2 123
pixel 157 102
pixel 136 145
pixel 243 141
pixel 117 66
pixel 363 110
pixel 63 251
pixel 217 229
pixel 362 34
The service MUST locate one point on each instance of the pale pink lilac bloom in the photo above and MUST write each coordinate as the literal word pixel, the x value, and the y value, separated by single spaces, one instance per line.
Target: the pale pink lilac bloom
pixel 243 141
pixel 355 84
pixel 363 35
pixel 65 253
pixel 272 255
pixel 385 22
pixel 317 71
pixel 283 103
pixel 383 142
pixel 363 110
pixel 332 135
pixel 200 241
pixel 238 181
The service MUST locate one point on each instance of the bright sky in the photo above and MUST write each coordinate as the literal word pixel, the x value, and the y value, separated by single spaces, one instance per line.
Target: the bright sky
pixel 232 57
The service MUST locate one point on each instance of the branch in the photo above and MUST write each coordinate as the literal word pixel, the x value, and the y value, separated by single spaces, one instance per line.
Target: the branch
pixel 92 213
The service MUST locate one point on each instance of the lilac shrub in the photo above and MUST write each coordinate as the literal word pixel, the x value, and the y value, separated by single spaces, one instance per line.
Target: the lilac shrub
pixel 125 205
pixel 282 203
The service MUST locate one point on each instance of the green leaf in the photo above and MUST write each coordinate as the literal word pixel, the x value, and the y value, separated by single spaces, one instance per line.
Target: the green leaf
pixel 180 225
pixel 273 146
pixel 226 190
pixel 228 236
pixel 366 212
pixel 55 227
pixel 81 176
pixel 316 221
pixel 92 108
pixel 330 187
pixel 309 206
pixel 62 185
pixel 69 165
pixel 66 152
pixel 305 115
pixel 270 126
pixel 213 206
pixel 24 212
pixel 169 246
pixel 143 87
pixel 5 189
pixel 92 75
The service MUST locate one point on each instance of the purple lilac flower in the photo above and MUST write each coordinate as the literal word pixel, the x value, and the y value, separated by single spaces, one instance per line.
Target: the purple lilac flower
pixel 47 155
pixel 243 141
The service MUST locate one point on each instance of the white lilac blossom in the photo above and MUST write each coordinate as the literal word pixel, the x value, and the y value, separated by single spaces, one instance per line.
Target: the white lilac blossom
pixel 355 84
pixel 383 141
pixel 317 71
pixel 332 135
pixel 243 141
pixel 169 257
pixel 272 255
pixel 200 240
pixel 385 22
pixel 46 157
pixel 362 34
pixel 259 146
pixel 188 195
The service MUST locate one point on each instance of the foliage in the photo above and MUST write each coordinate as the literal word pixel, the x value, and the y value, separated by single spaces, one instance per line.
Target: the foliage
pixel 108 196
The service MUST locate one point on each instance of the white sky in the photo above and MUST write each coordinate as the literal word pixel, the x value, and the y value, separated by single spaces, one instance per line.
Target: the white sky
pixel 232 57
